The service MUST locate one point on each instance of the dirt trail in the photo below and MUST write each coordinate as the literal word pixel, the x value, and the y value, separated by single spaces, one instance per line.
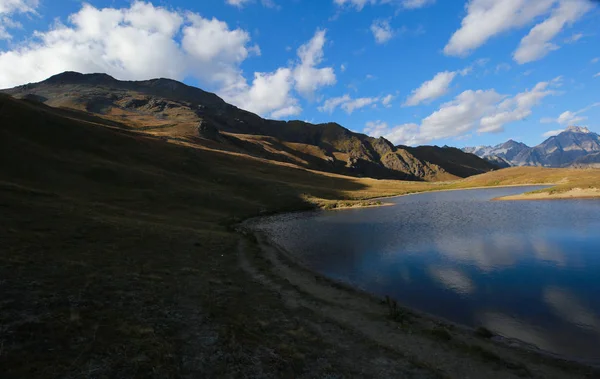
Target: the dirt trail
pixel 421 345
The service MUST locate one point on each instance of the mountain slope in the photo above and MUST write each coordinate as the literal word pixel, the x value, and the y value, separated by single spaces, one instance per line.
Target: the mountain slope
pixel 171 109
pixel 454 161
pixel 561 150
pixel 506 151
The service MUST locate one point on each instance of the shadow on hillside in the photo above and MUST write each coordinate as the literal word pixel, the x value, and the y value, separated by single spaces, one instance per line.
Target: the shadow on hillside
pixel 68 153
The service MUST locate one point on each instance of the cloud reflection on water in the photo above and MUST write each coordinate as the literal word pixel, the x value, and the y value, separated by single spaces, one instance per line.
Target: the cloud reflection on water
pixel 566 305
pixel 453 280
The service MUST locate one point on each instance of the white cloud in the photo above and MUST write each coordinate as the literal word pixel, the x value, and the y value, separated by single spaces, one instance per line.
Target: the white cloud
pixel 597 75
pixel 343 68
pixel 308 77
pixel 361 102
pixel 483 111
pixel 382 31
pixel 552 133
pixel 144 41
pixel 570 118
pixel 414 4
pixel 358 4
pixel 18 6
pixel 574 38
pixel 515 109
pixel 237 3
pixel 242 3
pixel 271 93
pixel 376 128
pixel 488 18
pixel 10 7
pixel 268 93
pixel 122 42
pixel 432 89
pixel 502 67
pixel 406 4
pixel 331 104
pixel 349 105
pixel 595 60
pixel 387 100
pixel 538 43
pixel 290 110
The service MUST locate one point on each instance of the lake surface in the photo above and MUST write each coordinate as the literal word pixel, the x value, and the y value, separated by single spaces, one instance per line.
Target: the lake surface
pixel 527 269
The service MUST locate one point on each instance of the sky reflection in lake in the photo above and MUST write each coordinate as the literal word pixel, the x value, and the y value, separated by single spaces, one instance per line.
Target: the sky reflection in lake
pixel 528 269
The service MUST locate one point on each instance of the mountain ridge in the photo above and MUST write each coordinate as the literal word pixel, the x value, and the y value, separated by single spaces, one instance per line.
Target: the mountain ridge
pixel 569 147
pixel 172 109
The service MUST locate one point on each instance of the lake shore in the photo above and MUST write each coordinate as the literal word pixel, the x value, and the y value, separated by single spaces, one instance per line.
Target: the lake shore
pixel 456 350
pixel 574 193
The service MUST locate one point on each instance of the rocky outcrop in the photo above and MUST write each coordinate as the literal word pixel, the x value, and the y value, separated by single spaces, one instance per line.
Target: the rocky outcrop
pixel 208 131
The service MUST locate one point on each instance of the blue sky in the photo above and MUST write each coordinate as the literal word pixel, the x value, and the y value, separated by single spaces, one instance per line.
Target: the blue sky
pixel 415 71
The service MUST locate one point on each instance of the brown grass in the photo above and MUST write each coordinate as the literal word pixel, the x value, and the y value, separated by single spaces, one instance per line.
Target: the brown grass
pixel 118 257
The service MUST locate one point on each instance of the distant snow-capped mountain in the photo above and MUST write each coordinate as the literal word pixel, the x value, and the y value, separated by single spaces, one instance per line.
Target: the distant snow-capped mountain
pixel 564 149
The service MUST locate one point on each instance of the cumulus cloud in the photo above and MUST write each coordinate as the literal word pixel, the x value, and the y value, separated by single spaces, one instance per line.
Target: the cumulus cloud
pixel 382 31
pixel 570 118
pixel 349 105
pixel 10 7
pixel 132 43
pixel 268 93
pixel 272 93
pixel 307 76
pixel 432 89
pixel 144 41
pixel 483 111
pixel 538 43
pixel 486 19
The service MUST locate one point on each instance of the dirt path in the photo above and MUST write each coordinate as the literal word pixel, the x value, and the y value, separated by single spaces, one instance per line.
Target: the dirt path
pixel 415 344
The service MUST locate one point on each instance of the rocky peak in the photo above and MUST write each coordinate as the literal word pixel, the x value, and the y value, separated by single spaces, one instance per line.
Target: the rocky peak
pixel 577 129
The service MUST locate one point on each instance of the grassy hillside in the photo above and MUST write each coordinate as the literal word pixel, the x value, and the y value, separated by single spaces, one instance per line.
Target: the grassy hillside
pixel 117 248
pixel 173 110
pixel 119 260
pixel 560 180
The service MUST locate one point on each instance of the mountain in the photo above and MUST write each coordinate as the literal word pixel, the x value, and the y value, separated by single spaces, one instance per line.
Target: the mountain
pixel 173 110
pixel 588 161
pixel 564 149
pixel 506 151
pixel 498 161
